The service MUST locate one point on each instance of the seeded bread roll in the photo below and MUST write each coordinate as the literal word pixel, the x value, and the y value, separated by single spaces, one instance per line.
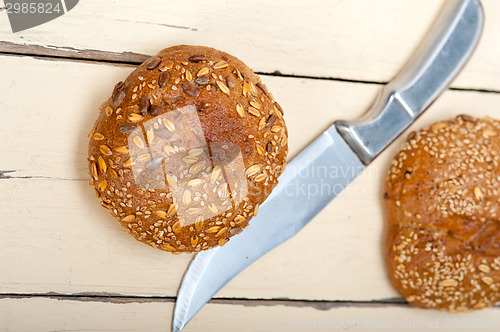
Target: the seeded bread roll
pixel 187 148
pixel 442 201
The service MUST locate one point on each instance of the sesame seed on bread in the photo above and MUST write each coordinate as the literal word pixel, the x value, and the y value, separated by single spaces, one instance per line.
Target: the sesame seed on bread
pixel 442 201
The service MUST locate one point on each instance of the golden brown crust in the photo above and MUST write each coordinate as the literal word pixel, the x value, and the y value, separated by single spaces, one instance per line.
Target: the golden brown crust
pixel 231 105
pixel 442 200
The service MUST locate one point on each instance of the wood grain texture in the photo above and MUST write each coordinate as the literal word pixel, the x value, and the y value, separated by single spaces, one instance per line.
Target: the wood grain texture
pixel 361 40
pixel 72 53
pixel 63 315
pixel 65 264
pixel 56 238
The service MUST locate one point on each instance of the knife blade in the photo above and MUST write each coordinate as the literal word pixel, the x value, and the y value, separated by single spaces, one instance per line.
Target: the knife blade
pixel 347 147
pixel 212 269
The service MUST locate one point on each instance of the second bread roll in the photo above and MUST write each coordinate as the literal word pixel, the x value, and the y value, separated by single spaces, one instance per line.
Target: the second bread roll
pixel 442 199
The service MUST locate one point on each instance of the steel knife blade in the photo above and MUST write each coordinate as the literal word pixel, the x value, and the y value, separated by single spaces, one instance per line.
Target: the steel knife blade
pixel 347 147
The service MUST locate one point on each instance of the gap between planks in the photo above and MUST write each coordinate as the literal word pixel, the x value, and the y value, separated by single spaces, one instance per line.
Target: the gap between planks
pixel 4 175
pixel 135 59
pixel 124 299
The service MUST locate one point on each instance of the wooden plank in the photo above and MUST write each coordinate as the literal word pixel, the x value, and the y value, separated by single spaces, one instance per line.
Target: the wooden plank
pixel 360 40
pixel 72 53
pixel 41 314
pixel 56 238
pixel 32 150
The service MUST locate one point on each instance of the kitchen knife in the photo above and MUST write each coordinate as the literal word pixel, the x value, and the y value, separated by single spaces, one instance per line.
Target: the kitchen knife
pixel 347 147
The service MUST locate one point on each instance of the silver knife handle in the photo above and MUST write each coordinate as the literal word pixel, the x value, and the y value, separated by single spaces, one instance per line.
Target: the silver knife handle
pixel 437 61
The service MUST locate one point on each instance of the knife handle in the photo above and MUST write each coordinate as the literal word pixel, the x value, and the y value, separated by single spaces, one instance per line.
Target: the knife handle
pixel 436 62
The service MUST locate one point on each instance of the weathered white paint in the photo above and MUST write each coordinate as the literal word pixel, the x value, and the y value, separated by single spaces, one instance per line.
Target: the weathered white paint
pixel 44 315
pixel 54 236
pixel 361 40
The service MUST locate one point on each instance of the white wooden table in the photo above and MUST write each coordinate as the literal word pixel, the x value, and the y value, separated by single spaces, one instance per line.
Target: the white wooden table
pixel 66 265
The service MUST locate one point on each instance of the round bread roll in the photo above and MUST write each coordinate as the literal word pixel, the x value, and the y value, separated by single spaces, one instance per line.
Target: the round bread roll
pixel 442 199
pixel 187 148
